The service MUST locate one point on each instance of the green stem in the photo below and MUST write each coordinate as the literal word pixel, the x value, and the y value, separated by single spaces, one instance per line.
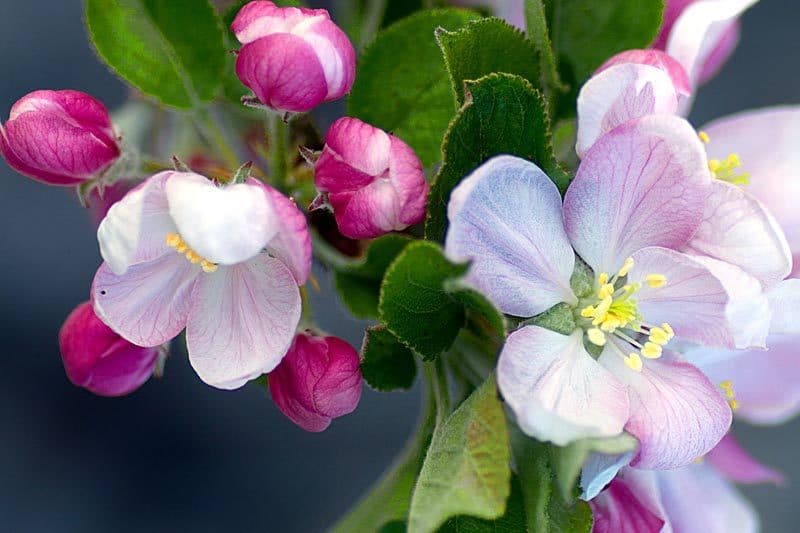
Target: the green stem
pixel 436 374
pixel 215 137
pixel 278 142
pixel 372 21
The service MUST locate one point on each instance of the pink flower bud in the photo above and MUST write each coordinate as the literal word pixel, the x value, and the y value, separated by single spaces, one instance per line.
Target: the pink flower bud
pixel 293 59
pixel 374 181
pixel 657 59
pixel 100 200
pixel 318 380
pixel 98 359
pixel 59 137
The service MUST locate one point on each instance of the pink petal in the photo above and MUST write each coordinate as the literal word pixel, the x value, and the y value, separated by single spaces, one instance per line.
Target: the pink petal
pixel 657 59
pixel 733 462
pixel 355 154
pixel 700 29
pixel 696 498
pixel 284 72
pixel 147 305
pixel 677 414
pixel 721 52
pixel 242 321
pixel 261 18
pixel 737 229
pixel 292 243
pixel 766 141
pixel 705 301
pixel 619 94
pixel 630 504
pixel 643 184
pixel 557 391
pixel 135 228
pixel 506 219
pixel 766 384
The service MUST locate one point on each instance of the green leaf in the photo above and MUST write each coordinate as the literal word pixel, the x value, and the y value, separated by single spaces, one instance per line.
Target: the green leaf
pixel 386 363
pixel 567 461
pixel 414 304
pixel 486 46
pixel 466 470
pixel 559 318
pixel 152 45
pixel 536 24
pixel 359 282
pixel 586 32
pixel 503 114
pixel 512 520
pixel 402 84
pixel 545 510
pixel 424 302
pixel 385 508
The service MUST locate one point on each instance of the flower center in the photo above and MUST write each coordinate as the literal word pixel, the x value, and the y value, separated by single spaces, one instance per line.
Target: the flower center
pixel 612 318
pixel 175 241
pixel 726 170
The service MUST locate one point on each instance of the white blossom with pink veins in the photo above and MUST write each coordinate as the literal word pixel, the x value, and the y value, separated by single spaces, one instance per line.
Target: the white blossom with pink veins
pixel 638 197
pixel 223 262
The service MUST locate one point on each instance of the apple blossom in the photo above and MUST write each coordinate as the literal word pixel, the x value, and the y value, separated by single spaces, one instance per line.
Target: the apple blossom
pixel 292 58
pixel 317 381
pixel 701 34
pixel 98 359
pixel 697 498
pixel 620 215
pixel 59 137
pixel 224 262
pixel 373 180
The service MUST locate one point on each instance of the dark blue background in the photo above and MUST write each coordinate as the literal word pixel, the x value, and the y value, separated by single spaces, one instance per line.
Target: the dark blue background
pixel 178 455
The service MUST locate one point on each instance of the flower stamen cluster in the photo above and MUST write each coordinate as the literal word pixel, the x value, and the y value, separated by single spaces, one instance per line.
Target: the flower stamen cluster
pixel 175 241
pixel 614 312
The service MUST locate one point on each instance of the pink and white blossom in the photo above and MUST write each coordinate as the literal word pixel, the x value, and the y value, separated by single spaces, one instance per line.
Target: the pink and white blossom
pixel 98 359
pixel 223 262
pixel 373 180
pixel 701 34
pixel 317 381
pixel 292 58
pixel 59 137
pixel 698 498
pixel 638 197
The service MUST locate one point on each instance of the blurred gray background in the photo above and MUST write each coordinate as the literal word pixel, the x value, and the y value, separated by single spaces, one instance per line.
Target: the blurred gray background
pixel 178 455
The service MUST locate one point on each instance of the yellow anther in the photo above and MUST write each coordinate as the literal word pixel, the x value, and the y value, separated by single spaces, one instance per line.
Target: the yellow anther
pixel 173 240
pixel 726 385
pixel 605 291
pixel 626 267
pixel 602 279
pixel 734 160
pixel 181 248
pixel 659 336
pixel 634 362
pixel 713 165
pixel 704 137
pixel 656 280
pixel 727 388
pixel 726 170
pixel 734 405
pixel 193 258
pixel 651 350
pixel 666 327
pixel 596 337
pixel 588 311
pixel 208 267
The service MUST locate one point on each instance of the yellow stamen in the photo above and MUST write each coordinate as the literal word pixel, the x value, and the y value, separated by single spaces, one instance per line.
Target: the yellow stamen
pixel 596 337
pixel 666 327
pixel 726 170
pixel 588 311
pixel 659 336
pixel 651 350
pixel 656 280
pixel 602 279
pixel 605 291
pixel 704 137
pixel 634 362
pixel 626 267
pixel 730 395
pixel 175 241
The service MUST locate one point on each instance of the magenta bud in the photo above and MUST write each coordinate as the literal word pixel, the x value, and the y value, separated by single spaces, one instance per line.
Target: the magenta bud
pixel 59 137
pixel 292 58
pixel 374 181
pixel 100 200
pixel 318 380
pixel 98 359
